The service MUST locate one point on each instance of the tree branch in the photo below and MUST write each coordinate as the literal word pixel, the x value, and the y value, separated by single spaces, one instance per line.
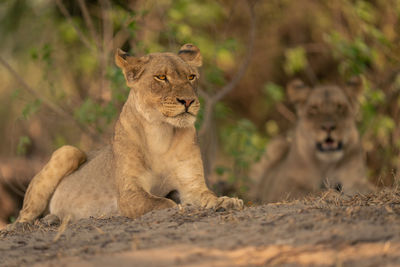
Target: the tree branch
pixel 88 20
pixel 245 64
pixel 65 12
pixel 107 25
pixel 204 94
pixel 106 48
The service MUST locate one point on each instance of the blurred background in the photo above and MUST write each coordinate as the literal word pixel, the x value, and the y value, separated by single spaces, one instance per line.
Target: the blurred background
pixel 59 84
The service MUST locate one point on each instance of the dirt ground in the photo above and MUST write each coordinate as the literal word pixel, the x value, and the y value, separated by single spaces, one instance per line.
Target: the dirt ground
pixel 329 230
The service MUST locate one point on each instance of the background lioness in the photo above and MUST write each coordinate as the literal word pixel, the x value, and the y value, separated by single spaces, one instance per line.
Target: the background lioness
pixel 323 150
pixel 153 151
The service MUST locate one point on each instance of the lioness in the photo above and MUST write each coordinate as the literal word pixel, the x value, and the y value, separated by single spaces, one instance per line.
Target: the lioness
pixel 153 151
pixel 324 148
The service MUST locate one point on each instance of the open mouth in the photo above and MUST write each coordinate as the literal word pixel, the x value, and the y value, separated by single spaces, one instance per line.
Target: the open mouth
pixel 329 145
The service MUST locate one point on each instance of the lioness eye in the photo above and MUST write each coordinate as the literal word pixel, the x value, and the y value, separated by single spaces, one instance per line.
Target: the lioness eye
pixel 341 108
pixel 161 77
pixel 191 77
pixel 313 110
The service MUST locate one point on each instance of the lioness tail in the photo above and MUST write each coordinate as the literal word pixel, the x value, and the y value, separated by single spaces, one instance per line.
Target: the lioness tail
pixel 64 161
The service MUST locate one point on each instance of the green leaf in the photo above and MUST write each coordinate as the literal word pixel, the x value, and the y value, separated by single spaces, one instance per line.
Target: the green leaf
pixel 60 141
pixel 23 143
pixel 215 76
pixel 47 51
pixel 11 219
pixel 109 112
pixel 295 60
pixel 31 108
pixel 34 53
pixel 15 94
pixel 88 112
pixel 220 170
pixel 274 91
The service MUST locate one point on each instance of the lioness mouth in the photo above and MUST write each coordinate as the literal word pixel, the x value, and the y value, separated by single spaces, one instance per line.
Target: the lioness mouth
pixel 184 114
pixel 329 145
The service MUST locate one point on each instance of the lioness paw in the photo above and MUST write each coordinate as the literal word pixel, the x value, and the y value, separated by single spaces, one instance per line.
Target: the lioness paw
pixel 50 219
pixel 225 203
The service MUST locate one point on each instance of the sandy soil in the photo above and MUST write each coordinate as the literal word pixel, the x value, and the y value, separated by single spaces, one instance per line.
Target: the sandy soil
pixel 329 230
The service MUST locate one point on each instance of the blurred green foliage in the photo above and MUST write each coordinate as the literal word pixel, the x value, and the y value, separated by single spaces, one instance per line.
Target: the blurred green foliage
pixel 295 60
pixel 273 92
pixel 245 145
pixel 318 41
pixel 23 143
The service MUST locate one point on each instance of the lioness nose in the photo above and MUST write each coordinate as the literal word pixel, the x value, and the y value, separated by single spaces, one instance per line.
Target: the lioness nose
pixel 329 126
pixel 185 102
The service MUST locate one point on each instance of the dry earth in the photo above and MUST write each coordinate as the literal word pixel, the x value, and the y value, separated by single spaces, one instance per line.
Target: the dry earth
pixel 330 230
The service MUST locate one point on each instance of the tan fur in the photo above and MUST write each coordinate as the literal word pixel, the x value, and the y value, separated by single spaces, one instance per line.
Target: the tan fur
pixel 63 161
pixel 153 152
pixel 305 161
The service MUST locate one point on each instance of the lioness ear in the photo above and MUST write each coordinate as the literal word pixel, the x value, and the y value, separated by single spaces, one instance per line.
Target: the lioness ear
pixel 297 92
pixel 354 88
pixel 191 54
pixel 121 58
pixel 131 66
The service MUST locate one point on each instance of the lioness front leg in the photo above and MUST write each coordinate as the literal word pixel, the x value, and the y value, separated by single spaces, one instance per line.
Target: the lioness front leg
pixel 204 197
pixel 193 189
pixel 208 199
pixel 134 203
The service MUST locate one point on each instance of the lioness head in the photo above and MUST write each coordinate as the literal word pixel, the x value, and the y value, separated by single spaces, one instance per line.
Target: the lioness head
pixel 326 117
pixel 164 85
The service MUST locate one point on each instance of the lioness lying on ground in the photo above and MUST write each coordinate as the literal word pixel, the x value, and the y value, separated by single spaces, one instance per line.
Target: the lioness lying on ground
pixel 153 151
pixel 323 150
